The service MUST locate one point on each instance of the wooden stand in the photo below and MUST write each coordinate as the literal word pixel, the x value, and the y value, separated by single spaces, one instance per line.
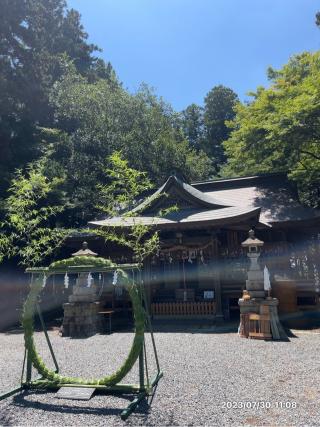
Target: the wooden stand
pixel 259 319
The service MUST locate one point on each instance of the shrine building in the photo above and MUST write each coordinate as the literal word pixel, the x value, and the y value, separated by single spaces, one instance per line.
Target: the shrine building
pixel 200 269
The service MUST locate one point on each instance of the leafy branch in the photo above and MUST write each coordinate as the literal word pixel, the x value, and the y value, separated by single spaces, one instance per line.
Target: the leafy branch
pixel 28 230
pixel 124 185
pixel 120 196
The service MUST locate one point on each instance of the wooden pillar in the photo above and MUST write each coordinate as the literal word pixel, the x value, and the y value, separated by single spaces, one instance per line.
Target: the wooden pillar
pixel 215 266
pixel 218 296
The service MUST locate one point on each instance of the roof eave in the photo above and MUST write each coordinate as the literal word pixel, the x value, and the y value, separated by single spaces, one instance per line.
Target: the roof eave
pixel 252 215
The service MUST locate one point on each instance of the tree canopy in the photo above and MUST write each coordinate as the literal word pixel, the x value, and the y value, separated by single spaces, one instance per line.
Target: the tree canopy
pixel 99 118
pixel 205 127
pixel 37 37
pixel 61 102
pixel 193 125
pixel 279 129
pixel 65 119
pixel 218 108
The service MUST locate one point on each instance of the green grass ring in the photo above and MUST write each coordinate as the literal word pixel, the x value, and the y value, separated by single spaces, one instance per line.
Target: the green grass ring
pixel 54 378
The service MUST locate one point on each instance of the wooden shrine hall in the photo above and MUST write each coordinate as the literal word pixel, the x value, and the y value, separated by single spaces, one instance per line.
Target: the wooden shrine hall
pixel 200 269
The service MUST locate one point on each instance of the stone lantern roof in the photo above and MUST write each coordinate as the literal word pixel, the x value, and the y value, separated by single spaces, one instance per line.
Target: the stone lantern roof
pixel 85 251
pixel 252 241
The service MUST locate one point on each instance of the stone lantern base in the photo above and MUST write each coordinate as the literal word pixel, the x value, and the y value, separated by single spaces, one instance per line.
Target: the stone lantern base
pixel 261 307
pixel 81 319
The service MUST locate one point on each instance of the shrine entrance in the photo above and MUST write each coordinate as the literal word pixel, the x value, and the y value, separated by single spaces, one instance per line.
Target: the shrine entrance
pixel 182 281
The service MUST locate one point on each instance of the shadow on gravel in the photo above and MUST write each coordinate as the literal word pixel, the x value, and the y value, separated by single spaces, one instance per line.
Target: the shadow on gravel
pixel 16 331
pixel 290 333
pixel 53 325
pixel 6 419
pixel 194 327
pixel 61 407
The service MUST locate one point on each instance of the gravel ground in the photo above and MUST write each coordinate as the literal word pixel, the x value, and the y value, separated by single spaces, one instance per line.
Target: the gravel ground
pixel 202 372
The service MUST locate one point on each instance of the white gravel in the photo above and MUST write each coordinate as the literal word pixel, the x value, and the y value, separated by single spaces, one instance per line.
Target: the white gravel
pixel 202 371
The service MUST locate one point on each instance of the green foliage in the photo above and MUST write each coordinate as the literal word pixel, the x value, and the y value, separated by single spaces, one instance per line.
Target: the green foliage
pixel 80 260
pixel 28 230
pixel 141 239
pixel 119 197
pixel 193 125
pixel 125 185
pixel 168 210
pixel 73 114
pixel 171 157
pixel 205 127
pixel 100 118
pixel 38 39
pixel 74 110
pixel 219 107
pixel 142 242
pixel 279 129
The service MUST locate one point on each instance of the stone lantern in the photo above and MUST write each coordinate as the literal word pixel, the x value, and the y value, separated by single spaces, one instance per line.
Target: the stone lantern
pixel 255 280
pixel 254 304
pixel 85 251
pixel 81 312
pixel 85 289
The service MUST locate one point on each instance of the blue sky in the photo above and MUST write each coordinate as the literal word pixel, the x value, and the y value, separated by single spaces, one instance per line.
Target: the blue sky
pixel 183 48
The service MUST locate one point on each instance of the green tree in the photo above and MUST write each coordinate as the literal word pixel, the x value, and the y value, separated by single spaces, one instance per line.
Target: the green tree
pixel 94 118
pixel 31 230
pixel 177 157
pixel 100 118
pixel 279 129
pixel 219 107
pixel 193 126
pixel 38 38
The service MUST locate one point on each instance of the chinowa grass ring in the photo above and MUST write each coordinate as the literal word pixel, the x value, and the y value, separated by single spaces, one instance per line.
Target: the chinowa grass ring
pixel 29 310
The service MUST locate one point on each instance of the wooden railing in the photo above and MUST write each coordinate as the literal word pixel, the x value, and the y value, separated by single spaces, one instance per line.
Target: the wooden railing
pixel 202 308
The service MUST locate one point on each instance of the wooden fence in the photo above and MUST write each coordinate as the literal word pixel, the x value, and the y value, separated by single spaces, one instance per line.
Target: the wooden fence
pixel 202 308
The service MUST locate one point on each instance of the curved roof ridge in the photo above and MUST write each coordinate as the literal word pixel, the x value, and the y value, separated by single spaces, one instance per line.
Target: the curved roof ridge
pixel 184 190
pixel 205 197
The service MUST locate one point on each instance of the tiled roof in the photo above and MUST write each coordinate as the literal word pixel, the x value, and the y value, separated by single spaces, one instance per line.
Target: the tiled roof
pixel 221 202
pixel 232 215
pixel 274 194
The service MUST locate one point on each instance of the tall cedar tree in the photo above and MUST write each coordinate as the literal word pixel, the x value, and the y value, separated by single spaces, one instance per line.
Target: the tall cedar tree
pixel 193 126
pixel 37 38
pixel 218 108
